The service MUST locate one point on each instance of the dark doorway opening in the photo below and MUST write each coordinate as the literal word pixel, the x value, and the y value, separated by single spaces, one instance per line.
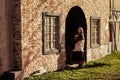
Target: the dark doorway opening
pixel 75 18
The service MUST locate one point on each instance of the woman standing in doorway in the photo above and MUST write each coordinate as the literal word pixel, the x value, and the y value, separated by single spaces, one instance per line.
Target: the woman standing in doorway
pixel 78 51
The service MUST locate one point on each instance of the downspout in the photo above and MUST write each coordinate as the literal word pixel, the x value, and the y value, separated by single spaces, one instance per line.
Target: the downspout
pixel 114 32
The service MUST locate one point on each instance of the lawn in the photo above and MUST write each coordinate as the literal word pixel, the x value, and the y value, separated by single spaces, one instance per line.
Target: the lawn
pixel 107 68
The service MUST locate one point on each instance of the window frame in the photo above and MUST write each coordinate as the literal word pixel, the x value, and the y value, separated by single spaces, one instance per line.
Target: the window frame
pixel 111 4
pixel 92 18
pixel 56 49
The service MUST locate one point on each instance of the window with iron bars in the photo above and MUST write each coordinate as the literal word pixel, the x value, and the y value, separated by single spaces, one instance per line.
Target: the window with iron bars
pixel 51 33
pixel 95 32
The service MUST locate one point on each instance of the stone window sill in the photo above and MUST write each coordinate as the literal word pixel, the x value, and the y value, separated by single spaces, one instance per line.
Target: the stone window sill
pixel 52 51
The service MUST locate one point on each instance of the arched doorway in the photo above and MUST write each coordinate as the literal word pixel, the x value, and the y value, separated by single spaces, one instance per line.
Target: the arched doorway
pixel 75 18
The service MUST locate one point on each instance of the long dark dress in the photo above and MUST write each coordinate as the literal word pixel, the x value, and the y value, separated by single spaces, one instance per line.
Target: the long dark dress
pixel 77 54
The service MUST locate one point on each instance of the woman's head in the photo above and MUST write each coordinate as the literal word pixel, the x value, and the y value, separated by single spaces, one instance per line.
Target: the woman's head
pixel 80 30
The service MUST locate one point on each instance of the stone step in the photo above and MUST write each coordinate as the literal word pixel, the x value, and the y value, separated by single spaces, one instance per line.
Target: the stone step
pixel 13 75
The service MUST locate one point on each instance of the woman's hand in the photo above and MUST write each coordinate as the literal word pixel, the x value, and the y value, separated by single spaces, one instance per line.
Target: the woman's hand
pixel 76 36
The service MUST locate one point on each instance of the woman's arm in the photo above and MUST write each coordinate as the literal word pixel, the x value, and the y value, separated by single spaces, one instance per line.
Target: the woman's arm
pixel 78 38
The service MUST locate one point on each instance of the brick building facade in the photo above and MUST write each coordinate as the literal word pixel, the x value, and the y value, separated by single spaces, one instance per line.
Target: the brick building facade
pixel 27 46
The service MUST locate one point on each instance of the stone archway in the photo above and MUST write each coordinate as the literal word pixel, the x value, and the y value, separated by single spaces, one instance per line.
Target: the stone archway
pixel 75 18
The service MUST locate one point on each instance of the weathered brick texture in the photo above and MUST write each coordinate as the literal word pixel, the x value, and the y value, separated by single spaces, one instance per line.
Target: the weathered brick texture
pixel 21 25
pixel 31 31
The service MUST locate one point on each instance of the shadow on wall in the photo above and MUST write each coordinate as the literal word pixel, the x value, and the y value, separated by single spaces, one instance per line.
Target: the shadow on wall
pixel 61 61
pixel 15 33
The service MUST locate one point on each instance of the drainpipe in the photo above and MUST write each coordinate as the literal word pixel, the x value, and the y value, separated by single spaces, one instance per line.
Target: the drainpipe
pixel 114 37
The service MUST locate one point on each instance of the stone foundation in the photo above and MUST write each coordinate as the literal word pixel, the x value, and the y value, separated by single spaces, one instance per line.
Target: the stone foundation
pixel 99 52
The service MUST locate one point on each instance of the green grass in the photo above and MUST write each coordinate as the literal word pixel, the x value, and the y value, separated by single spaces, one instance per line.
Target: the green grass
pixel 107 68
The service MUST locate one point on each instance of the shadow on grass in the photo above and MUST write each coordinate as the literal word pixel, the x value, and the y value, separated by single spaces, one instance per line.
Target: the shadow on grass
pixel 71 68
pixel 88 65
pixel 95 64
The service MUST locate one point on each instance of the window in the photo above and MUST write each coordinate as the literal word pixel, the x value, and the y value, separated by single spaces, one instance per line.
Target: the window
pixel 95 32
pixel 51 29
pixel 111 4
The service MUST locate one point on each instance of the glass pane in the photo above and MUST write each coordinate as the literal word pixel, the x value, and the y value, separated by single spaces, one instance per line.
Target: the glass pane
pixel 52 22
pixel 93 33
pixel 54 37
pixel 52 29
pixel 51 37
pixel 93 40
pixel 96 29
pixel 54 44
pixel 98 40
pixel 47 21
pixel 45 25
pixel 47 45
pixel 47 37
pixel 47 31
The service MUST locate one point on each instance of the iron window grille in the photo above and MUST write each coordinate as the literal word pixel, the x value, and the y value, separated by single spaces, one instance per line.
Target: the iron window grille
pixel 95 32
pixel 51 32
